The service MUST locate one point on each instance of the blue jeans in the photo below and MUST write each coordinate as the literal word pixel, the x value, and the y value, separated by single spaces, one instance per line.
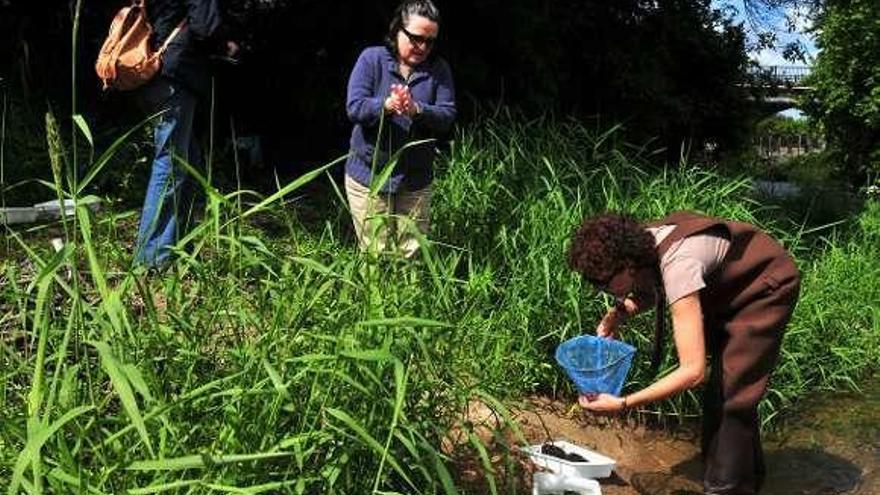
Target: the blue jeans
pixel 168 205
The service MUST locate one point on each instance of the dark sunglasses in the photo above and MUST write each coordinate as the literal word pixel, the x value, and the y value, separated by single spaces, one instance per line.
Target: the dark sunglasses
pixel 417 39
pixel 618 284
pixel 598 284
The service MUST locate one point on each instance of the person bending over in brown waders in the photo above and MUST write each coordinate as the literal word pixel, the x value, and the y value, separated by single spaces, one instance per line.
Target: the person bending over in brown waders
pixel 731 290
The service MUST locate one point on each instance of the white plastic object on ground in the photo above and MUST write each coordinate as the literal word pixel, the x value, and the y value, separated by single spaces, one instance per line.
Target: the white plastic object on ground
pixel 554 484
pixel 596 465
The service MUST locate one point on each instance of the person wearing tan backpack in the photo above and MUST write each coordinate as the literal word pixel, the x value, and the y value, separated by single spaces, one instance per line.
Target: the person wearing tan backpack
pixel 176 94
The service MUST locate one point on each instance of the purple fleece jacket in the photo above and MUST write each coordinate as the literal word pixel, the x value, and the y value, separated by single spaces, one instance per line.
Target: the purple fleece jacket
pixel 369 84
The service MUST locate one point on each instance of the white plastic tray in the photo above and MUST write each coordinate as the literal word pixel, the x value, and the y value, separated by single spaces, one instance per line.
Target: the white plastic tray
pixel 596 466
pixel 12 215
pixel 48 210
pixel 554 484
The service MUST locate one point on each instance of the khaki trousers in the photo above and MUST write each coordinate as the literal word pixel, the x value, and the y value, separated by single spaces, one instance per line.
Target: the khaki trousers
pixel 389 222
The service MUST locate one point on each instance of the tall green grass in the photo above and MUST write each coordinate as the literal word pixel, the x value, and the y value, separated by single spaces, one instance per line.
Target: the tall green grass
pixel 274 358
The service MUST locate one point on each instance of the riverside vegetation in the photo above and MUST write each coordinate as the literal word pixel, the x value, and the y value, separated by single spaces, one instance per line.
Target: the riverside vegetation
pixel 273 357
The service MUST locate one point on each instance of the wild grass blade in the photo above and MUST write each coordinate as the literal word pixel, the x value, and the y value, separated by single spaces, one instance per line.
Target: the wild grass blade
pixel 110 301
pixel 400 382
pixel 292 186
pixel 404 321
pixel 251 490
pixel 488 470
pixel 110 152
pixel 122 387
pixel 202 461
pixel 74 482
pixel 164 487
pixel 360 432
pixel 31 451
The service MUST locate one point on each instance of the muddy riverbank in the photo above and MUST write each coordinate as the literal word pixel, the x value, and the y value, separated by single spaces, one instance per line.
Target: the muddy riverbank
pixel 831 447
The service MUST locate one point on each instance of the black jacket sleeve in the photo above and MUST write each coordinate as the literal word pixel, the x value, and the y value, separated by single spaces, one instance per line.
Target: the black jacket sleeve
pixel 203 18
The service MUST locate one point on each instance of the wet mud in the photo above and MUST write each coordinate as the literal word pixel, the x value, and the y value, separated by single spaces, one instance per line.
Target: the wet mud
pixel 832 447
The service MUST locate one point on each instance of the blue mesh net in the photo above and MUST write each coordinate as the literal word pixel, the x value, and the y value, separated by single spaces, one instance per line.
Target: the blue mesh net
pixel 595 364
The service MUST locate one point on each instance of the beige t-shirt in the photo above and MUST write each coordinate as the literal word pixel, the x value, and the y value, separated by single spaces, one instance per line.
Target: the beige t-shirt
pixel 688 261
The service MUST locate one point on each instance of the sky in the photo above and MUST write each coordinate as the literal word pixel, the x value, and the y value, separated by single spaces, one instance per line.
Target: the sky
pixel 777 23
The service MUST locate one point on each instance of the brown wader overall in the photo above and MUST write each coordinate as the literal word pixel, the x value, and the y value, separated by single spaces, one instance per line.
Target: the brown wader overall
pixel 746 304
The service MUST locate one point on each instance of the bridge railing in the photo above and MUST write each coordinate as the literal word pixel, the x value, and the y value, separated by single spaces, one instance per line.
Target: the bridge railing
pixel 787 75
pixel 780 147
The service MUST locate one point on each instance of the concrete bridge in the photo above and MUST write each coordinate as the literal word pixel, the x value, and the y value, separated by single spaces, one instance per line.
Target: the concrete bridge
pixel 788 76
pixel 776 87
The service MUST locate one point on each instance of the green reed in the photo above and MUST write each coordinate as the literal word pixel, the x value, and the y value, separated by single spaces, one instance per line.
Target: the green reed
pixel 274 357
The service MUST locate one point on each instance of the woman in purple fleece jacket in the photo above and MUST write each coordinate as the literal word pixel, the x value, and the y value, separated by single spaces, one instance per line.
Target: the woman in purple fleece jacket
pixel 397 94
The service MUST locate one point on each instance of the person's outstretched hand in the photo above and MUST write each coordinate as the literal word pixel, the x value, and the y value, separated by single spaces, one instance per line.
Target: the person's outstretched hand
pixel 612 320
pixel 233 49
pixel 395 103
pixel 607 328
pixel 408 106
pixel 602 403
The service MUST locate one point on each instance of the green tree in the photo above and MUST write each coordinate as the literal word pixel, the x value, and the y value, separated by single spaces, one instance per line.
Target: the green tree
pixel 846 76
pixel 666 69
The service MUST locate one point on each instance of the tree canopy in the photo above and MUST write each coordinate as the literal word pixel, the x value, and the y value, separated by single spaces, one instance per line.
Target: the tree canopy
pixel 667 69
pixel 846 77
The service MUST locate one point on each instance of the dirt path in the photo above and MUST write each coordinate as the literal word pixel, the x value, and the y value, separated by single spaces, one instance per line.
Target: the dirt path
pixel 814 456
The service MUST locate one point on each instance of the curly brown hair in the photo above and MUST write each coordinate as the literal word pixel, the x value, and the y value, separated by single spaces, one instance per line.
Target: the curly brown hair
pixel 606 244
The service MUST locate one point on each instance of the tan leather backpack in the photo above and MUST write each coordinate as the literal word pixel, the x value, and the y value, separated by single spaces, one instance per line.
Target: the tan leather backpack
pixel 126 60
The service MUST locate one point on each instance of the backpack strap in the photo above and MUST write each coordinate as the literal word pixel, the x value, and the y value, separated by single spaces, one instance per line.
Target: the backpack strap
pixel 686 224
pixel 180 26
pixel 659 323
pixel 171 36
pixel 675 218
